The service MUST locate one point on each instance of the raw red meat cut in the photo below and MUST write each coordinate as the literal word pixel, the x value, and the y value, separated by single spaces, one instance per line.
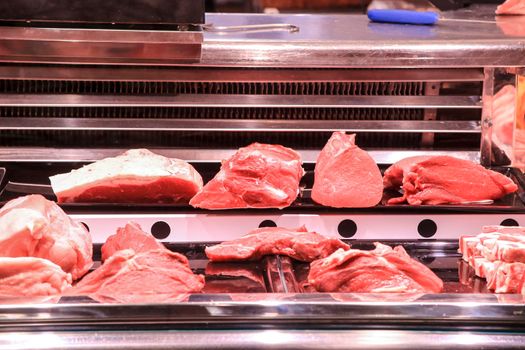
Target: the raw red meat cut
pixel 511 7
pixel 345 175
pixel 130 236
pixel 32 226
pixel 245 278
pixel 394 175
pixel 28 277
pixel 149 277
pixel 444 179
pixel 498 255
pixel 136 176
pixel 256 176
pixel 378 271
pixel 298 244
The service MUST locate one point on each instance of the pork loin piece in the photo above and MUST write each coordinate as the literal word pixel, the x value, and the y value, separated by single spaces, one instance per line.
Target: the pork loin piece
pixel 28 277
pixel 149 277
pixel 32 226
pixel 378 271
pixel 256 176
pixel 444 179
pixel 136 176
pixel 130 236
pixel 295 243
pixel 345 175
pixel 394 175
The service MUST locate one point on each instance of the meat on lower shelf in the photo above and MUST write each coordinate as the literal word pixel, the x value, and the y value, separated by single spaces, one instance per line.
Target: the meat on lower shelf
pixel 149 274
pixel 33 226
pixel 136 176
pixel 130 236
pixel 498 255
pixel 445 180
pixel 256 176
pixel 28 277
pixel 154 276
pixel 345 175
pixel 298 244
pixel 383 270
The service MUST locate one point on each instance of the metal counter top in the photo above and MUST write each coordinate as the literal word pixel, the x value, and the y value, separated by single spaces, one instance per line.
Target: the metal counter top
pixel 353 41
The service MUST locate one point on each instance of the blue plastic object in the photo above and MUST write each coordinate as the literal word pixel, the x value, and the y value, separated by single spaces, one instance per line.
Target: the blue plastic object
pixel 403 17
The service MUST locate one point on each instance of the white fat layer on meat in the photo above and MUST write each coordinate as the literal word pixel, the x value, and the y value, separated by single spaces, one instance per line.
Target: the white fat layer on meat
pixel 135 167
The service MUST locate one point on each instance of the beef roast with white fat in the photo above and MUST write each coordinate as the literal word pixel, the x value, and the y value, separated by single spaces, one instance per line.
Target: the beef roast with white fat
pixel 345 175
pixel 378 271
pixel 298 244
pixel 256 176
pixel 33 226
pixel 136 176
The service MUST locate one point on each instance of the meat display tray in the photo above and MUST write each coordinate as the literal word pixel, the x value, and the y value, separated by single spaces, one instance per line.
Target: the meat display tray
pixel 21 178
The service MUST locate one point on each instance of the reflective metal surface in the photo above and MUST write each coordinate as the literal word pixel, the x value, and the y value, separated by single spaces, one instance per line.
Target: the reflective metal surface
pixel 381 126
pixel 231 100
pixel 351 41
pixel 265 339
pixel 43 154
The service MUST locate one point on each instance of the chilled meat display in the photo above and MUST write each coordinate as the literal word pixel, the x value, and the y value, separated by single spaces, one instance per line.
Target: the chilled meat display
pixel 130 236
pixel 345 175
pixel 378 271
pixel 29 277
pixel 33 226
pixel 498 255
pixel 298 244
pixel 147 277
pixel 444 179
pixel 136 176
pixel 256 176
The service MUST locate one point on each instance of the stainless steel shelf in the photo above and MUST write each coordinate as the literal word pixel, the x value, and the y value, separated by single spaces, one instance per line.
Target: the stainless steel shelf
pixel 226 125
pixel 259 101
pixel 195 155
pixel 262 339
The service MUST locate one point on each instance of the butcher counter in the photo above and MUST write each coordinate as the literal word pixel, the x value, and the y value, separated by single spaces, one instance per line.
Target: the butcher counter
pixel 70 95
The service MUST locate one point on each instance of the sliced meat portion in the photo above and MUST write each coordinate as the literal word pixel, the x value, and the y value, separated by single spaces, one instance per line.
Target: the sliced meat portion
pixel 136 176
pixel 298 244
pixel 32 226
pixel 130 236
pixel 256 176
pixel 444 179
pixel 345 175
pixel 148 277
pixel 28 277
pixel 378 271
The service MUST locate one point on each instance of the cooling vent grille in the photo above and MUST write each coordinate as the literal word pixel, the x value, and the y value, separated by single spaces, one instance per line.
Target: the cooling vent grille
pixel 171 88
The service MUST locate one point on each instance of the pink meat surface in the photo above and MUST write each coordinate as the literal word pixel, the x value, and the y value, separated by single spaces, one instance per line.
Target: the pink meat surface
pixel 393 177
pixel 378 271
pixel 29 277
pixel 444 179
pixel 256 176
pixel 153 276
pixel 511 7
pixel 32 226
pixel 130 236
pixel 345 175
pixel 298 244
pixel 136 176
pixel 498 255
